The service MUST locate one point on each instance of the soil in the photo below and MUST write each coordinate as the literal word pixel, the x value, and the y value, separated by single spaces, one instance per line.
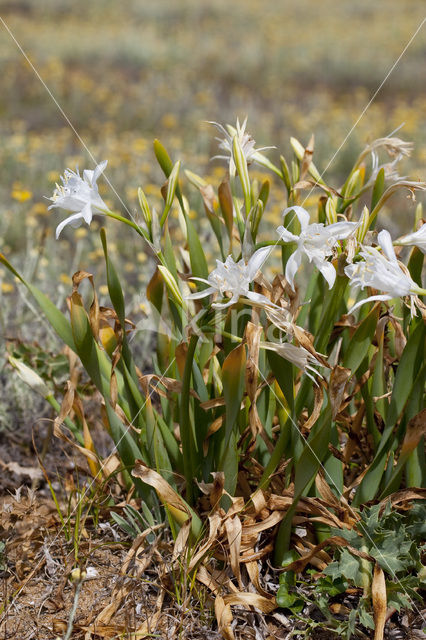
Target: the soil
pixel 127 591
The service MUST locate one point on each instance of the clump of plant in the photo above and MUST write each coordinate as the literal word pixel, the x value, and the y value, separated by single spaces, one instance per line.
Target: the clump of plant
pixel 379 558
pixel 272 399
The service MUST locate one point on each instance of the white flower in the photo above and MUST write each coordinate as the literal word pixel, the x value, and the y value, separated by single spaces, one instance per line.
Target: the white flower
pixel 234 278
pixel 299 356
pixel 316 241
pixel 79 195
pixel 246 143
pixel 418 239
pixel 391 172
pixel 380 270
pixel 395 148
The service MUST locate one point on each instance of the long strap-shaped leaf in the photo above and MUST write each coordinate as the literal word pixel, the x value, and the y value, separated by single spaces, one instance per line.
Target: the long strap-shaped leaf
pixel 56 318
pixel 89 354
pixel 307 467
pixel 233 377
pixel 409 371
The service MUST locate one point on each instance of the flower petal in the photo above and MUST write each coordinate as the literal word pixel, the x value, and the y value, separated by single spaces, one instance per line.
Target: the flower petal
pixel 88 176
pixel 200 280
pixel 327 270
pixel 86 213
pixel 418 238
pixel 341 230
pixel 99 169
pixel 260 298
pixel 301 213
pixel 224 305
pixel 201 294
pixel 385 241
pixel 285 235
pixel 69 220
pixel 383 296
pixel 257 260
pixel 293 263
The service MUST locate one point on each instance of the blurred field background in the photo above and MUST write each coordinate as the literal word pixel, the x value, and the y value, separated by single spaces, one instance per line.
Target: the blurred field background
pixel 126 72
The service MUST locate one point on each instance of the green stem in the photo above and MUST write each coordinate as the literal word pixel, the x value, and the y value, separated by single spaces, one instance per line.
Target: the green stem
pixel 139 230
pixel 130 223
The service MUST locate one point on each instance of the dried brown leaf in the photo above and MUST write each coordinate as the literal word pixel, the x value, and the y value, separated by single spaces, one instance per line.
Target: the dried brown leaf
pixel 416 429
pixel 378 596
pixel 253 572
pixel 233 530
pixel 307 157
pixel 338 378
pixel 224 618
pixel 169 496
pixel 247 599
pixel 318 398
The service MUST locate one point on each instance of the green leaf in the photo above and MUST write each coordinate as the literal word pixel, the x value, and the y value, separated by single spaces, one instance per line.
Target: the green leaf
pixel 155 446
pixel 378 189
pixel 85 344
pixel 233 378
pixel 169 256
pixel 391 556
pixel 190 456
pixel 284 372
pixel 330 312
pixel 306 467
pixel 378 383
pixel 410 365
pixel 114 286
pixel 285 599
pixel 351 623
pixel 365 618
pixel 227 206
pixel 196 254
pixel 163 158
pixel 361 341
pixel 285 174
pixel 415 265
pixel 349 566
pixel 332 587
pixel 264 192
pixel 167 165
pixel 56 318
pixel 143 202
pixel 171 190
pixel 124 525
pixel 313 453
pixel 333 570
pixel 409 372
pixel 155 290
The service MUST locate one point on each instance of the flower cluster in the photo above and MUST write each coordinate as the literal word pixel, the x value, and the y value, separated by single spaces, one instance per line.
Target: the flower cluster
pixel 234 278
pixel 381 270
pixel 367 266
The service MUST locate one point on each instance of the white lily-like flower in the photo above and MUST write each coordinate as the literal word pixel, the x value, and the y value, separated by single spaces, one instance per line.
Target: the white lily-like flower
pixel 246 144
pixel 234 278
pixel 395 148
pixel 417 239
pixel 381 270
pixel 299 356
pixel 316 241
pixel 80 195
